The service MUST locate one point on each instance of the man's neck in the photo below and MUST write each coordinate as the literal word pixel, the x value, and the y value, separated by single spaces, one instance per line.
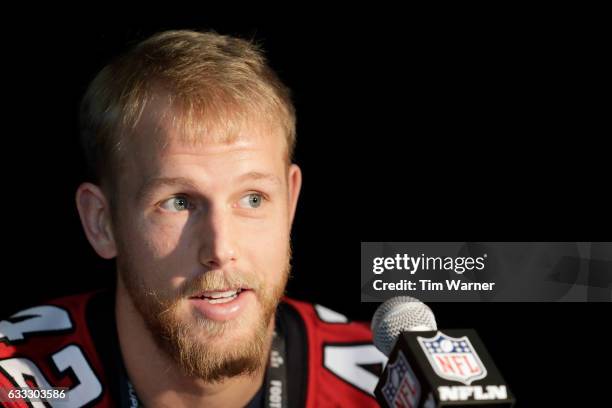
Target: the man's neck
pixel 158 380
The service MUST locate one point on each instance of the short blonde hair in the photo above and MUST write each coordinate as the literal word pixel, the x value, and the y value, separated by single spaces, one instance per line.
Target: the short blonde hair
pixel 215 83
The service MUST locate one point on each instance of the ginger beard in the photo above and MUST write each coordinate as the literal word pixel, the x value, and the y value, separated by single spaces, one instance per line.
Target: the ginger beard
pixel 204 348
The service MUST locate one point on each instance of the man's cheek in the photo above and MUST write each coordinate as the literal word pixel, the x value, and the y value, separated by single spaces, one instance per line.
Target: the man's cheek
pixel 276 263
pixel 271 236
pixel 160 241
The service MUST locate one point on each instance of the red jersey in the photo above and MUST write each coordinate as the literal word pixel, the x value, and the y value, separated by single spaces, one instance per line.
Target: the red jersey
pixel 71 343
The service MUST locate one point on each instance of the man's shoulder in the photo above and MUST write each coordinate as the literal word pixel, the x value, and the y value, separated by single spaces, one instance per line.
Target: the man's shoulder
pixel 50 345
pixel 322 321
pixel 343 364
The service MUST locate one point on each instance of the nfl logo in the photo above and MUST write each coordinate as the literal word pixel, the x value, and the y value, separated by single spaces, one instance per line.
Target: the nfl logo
pixel 402 388
pixel 453 358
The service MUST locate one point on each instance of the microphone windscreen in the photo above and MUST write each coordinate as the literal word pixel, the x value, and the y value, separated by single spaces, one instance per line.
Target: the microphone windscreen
pixel 397 315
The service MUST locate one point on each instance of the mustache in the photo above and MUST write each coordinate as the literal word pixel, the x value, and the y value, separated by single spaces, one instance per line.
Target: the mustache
pixel 219 280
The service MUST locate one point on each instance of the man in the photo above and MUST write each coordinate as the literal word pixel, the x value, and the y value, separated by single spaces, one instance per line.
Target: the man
pixel 190 137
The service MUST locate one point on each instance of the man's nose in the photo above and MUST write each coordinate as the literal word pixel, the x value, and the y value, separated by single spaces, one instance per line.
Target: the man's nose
pixel 218 247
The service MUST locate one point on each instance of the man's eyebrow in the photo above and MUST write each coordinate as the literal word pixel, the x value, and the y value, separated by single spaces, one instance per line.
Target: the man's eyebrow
pixel 255 175
pixel 154 183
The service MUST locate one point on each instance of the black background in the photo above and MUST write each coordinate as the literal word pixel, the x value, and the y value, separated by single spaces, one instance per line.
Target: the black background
pixel 423 128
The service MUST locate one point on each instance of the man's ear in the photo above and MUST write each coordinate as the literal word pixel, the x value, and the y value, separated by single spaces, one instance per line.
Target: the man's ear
pixel 295 185
pixel 94 211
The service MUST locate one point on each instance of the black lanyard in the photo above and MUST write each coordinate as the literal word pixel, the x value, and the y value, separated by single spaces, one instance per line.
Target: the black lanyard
pixel 275 382
pixel 275 385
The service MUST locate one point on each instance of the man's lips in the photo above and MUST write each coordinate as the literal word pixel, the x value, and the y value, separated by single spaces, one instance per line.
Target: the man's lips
pixel 224 304
pixel 219 294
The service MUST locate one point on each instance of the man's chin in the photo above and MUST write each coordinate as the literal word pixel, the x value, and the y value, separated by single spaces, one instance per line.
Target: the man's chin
pixel 241 328
pixel 213 350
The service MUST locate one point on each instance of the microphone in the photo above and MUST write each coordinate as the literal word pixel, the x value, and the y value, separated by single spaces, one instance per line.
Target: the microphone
pixel 428 368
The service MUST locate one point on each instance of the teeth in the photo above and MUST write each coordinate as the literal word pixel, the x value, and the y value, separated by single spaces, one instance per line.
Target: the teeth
pixel 221 297
pixel 218 295
pixel 223 300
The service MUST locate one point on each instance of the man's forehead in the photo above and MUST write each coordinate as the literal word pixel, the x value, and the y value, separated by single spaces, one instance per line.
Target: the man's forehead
pixel 246 152
pixel 163 124
pixel 206 166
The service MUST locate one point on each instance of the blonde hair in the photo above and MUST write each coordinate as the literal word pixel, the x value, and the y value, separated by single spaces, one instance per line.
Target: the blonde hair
pixel 214 85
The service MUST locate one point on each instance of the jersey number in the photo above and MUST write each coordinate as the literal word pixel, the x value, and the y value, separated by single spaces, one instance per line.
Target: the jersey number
pixel 49 319
pixel 346 360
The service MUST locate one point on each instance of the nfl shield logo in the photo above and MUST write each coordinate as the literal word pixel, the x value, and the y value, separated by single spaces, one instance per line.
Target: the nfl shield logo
pixel 402 388
pixel 453 358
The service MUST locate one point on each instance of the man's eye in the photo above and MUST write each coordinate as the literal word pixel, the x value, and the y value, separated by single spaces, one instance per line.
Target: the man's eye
pixel 252 200
pixel 176 204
